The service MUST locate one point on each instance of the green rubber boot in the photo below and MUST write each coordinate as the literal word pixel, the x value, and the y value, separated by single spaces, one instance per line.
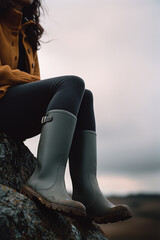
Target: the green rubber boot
pixel 83 164
pixel 47 182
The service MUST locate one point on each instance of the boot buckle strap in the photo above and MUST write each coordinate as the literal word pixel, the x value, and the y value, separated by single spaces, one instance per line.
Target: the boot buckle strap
pixel 46 119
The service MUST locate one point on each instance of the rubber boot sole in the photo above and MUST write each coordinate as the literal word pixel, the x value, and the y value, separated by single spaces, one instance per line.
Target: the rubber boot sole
pixel 72 212
pixel 118 213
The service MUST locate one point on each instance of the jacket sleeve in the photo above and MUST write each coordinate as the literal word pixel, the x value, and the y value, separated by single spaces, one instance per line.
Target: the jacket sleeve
pixel 9 77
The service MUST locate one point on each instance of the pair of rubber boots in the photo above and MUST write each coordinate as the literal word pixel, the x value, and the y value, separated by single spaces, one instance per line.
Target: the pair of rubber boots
pixel 47 182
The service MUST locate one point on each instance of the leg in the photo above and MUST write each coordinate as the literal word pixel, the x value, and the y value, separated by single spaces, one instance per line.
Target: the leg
pixel 86 118
pixel 60 98
pixel 83 168
pixel 24 105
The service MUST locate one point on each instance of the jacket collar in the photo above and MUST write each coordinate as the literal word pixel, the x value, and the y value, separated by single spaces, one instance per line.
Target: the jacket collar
pixel 13 18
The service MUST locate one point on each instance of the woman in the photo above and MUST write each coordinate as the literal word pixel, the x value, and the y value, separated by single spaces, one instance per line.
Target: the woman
pixel 61 109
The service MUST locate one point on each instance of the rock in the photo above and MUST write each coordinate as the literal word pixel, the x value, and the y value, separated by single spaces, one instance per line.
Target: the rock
pixel 16 162
pixel 21 218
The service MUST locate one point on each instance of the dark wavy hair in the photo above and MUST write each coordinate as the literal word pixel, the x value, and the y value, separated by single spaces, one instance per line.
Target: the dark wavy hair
pixel 30 12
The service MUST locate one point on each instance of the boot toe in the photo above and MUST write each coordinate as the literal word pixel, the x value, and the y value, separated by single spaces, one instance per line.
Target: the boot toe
pixel 73 207
pixel 70 204
pixel 117 213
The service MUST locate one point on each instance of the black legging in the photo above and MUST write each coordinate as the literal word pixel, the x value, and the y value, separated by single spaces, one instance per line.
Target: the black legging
pixel 23 106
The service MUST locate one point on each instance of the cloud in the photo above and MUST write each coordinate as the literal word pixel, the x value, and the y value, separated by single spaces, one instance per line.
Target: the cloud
pixel 119 184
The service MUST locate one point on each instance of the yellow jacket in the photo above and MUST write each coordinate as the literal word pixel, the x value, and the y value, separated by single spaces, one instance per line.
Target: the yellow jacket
pixel 10 25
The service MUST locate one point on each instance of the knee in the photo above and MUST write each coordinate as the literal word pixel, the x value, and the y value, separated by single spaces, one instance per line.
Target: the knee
pixel 88 96
pixel 76 83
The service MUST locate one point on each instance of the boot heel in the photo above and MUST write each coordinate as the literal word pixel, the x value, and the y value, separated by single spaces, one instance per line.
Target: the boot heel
pixel 36 197
pixel 28 192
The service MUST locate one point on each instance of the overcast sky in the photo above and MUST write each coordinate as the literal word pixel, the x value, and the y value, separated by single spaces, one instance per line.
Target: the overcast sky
pixel 114 45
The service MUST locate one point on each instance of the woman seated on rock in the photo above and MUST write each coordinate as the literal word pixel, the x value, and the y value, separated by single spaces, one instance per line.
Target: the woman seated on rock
pixel 61 109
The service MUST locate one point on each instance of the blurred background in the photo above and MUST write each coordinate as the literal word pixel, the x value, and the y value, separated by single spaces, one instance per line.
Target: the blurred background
pixel 114 45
